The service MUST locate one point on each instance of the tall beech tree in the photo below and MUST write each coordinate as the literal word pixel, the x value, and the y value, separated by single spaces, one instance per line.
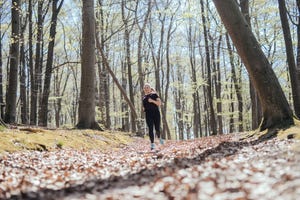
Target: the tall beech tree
pixel 1 68
pixel 255 104
pixel 86 113
pixel 126 17
pixel 212 118
pixel 298 37
pixel 11 95
pixel 43 113
pixel 23 69
pixel 295 81
pixel 275 108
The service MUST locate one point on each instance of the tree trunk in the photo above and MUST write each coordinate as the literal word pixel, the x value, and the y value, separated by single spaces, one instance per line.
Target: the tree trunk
pixel 255 104
pixel 276 111
pixel 295 81
pixel 11 100
pixel 23 66
pixel 179 103
pixel 35 72
pixel 123 92
pixel 213 126
pixel 298 39
pixel 192 59
pixel 128 63
pixel 1 70
pixel 43 113
pixel 124 105
pixel 31 66
pixel 219 88
pixel 237 86
pixel 166 129
pixel 86 111
pixel 140 131
pixel 104 94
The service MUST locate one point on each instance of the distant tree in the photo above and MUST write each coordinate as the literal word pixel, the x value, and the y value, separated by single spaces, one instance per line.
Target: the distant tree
pixel 1 68
pixel 275 108
pixel 212 118
pixel 104 89
pixel 86 113
pixel 11 95
pixel 23 70
pixel 295 81
pixel 43 113
pixel 236 84
pixel 218 85
pixel 128 27
pixel 298 38
pixel 255 104
pixel 36 68
pixel 191 31
pixel 142 29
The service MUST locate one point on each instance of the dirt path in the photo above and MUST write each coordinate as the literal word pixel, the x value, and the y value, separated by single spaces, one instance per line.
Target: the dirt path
pixel 209 168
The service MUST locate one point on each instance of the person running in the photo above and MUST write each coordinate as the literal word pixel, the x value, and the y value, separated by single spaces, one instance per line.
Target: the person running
pixel 151 103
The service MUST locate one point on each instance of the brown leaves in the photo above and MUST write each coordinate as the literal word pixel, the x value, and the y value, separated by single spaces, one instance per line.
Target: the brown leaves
pixel 207 168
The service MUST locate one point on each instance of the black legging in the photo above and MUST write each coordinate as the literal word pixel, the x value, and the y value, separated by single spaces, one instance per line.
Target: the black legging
pixel 153 118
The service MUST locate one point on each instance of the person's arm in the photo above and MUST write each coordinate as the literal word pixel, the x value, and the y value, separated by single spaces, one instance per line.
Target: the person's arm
pixel 156 102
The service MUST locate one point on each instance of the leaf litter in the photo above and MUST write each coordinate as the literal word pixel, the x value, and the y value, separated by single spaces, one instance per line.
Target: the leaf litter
pixel 216 167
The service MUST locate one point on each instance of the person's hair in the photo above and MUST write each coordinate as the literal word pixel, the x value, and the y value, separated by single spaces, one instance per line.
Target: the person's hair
pixel 147 84
pixel 153 90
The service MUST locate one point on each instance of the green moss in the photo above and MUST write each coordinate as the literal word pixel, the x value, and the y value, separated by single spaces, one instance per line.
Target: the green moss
pixel 12 140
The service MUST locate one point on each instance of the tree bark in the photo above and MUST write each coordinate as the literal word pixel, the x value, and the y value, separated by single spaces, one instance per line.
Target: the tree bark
pixel 35 71
pixel 140 131
pixel 43 113
pixel 236 84
pixel 86 111
pixel 123 92
pixel 192 59
pixel 1 70
pixel 208 65
pixel 104 94
pixel 23 77
pixel 166 129
pixel 298 40
pixel 295 81
pixel 218 85
pixel 255 104
pixel 128 62
pixel 11 100
pixel 276 110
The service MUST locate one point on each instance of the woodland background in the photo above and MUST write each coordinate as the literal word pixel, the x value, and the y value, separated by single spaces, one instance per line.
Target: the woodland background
pixel 180 47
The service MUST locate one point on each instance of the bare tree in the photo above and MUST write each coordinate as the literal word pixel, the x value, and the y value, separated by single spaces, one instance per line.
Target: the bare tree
pixel 43 113
pixel 36 68
pixel 128 64
pixel 212 123
pixel 23 71
pixel 104 89
pixel 1 68
pixel 295 81
pixel 141 72
pixel 255 104
pixel 236 84
pixel 192 58
pixel 298 38
pixel 276 110
pixel 11 98
pixel 86 113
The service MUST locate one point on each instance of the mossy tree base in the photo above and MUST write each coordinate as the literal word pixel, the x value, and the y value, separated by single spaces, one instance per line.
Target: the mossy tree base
pixel 93 125
pixel 288 130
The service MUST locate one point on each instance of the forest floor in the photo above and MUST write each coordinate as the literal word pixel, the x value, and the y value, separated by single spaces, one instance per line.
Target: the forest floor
pixel 216 167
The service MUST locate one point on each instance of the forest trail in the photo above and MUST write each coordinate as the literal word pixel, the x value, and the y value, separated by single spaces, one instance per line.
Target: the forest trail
pixel 216 167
